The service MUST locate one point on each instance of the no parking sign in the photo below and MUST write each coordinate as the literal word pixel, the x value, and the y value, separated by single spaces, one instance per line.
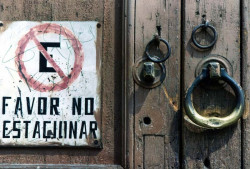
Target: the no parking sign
pixel 50 84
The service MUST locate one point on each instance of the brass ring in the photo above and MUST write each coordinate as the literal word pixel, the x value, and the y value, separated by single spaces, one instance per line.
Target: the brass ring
pixel 215 122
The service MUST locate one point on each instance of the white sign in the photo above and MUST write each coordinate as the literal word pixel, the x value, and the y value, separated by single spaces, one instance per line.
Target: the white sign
pixel 50 84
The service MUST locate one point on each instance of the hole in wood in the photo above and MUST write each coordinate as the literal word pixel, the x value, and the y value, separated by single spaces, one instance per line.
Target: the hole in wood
pixel 147 120
pixel 98 25
pixel 207 162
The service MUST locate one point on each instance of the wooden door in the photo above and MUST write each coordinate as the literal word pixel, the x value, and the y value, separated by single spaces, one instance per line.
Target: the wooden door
pixel 153 114
pixel 159 134
pixel 109 16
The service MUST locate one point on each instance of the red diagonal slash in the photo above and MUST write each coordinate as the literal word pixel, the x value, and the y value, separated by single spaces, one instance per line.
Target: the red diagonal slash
pixel 49 59
pixel 32 36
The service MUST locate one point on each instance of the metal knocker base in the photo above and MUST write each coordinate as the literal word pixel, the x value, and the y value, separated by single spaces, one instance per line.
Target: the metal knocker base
pixel 215 122
pixel 150 72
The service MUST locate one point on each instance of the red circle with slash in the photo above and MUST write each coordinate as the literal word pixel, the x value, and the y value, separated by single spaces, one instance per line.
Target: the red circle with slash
pixel 67 80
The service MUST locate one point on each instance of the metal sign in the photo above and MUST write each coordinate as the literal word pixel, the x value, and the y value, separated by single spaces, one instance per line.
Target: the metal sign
pixel 50 84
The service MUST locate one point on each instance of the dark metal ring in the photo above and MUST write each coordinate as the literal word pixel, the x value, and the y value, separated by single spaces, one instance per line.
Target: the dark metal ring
pixel 205 25
pixel 155 59
pixel 215 122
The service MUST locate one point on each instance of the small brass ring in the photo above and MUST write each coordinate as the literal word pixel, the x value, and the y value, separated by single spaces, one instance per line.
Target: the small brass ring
pixel 215 122
pixel 157 59
pixel 205 25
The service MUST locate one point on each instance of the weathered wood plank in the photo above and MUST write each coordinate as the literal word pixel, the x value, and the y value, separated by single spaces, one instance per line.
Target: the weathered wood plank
pixel 46 10
pixel 160 104
pixel 245 81
pixel 154 152
pixel 109 14
pixel 212 149
pixel 128 84
pixel 56 166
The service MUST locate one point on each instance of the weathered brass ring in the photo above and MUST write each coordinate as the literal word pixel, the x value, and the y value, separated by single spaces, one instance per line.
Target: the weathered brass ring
pixel 215 122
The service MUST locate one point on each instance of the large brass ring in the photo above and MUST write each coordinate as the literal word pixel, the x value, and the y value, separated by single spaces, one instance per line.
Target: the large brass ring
pixel 215 122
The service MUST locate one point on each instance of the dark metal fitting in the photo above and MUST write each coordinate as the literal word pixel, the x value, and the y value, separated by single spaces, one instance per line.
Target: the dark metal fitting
pixel 204 25
pixel 156 59
pixel 159 30
pixel 214 70
pixel 149 72
pixel 157 38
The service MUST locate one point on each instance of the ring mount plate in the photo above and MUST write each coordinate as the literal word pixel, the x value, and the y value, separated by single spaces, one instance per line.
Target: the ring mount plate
pixel 160 74
pixel 224 63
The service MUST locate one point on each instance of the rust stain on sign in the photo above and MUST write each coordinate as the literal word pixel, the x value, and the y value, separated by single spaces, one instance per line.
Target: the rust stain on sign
pixel 50 84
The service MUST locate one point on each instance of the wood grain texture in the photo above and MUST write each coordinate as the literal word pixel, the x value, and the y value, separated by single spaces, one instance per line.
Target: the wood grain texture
pixel 212 148
pixel 57 166
pixel 245 81
pixel 154 152
pixel 109 14
pixel 128 84
pixel 160 104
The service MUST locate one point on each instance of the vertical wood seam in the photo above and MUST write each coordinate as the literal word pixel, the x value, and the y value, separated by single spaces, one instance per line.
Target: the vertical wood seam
pixel 244 62
pixel 241 73
pixel 134 40
pixel 182 91
pixel 129 84
pixel 125 115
